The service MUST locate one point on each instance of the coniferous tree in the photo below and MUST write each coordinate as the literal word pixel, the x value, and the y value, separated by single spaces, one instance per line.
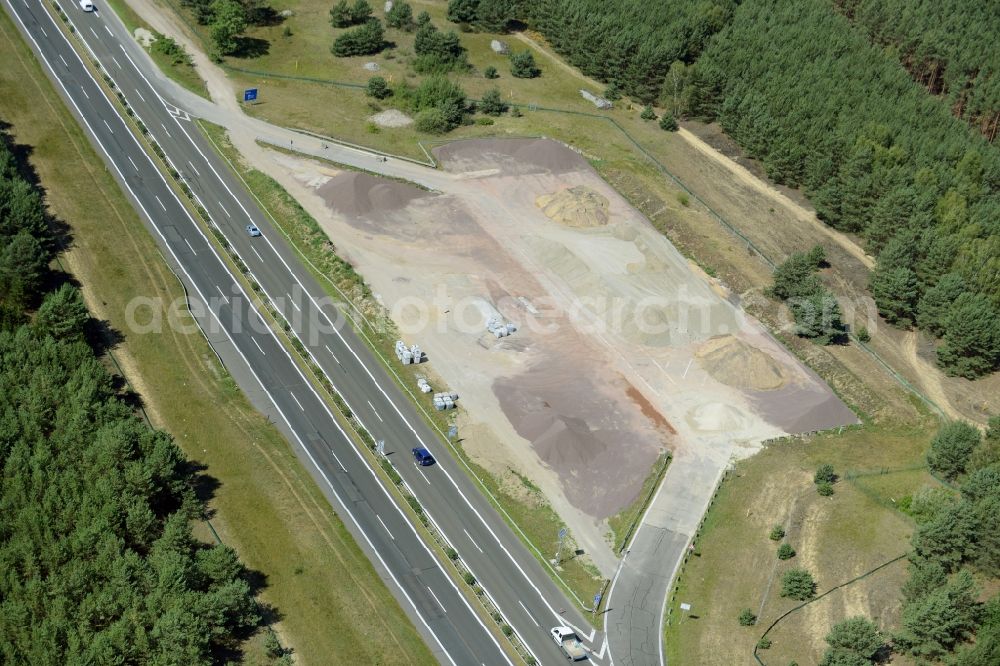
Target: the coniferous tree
pixel 971 337
pixel 935 305
pixel 400 16
pixel 935 624
pixel 522 65
pixel 340 15
pixel 952 448
pixel 895 291
pixel 492 103
pixel 63 315
pixel 854 640
pixel 362 40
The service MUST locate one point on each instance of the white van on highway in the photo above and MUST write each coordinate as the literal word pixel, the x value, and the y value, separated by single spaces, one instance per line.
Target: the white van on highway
pixel 87 5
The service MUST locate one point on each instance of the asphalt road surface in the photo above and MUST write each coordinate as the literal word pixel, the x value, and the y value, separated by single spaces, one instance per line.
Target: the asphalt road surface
pixel 528 599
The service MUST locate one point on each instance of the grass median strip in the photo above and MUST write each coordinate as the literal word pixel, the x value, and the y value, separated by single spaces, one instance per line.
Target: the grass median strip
pixel 327 597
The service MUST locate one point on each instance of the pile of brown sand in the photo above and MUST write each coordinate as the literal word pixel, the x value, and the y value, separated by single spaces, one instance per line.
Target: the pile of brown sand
pixel 575 207
pixel 511 156
pixel 353 193
pixel 735 363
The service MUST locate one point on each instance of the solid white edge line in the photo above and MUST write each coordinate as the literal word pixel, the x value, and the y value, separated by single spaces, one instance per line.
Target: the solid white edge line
pixel 252 372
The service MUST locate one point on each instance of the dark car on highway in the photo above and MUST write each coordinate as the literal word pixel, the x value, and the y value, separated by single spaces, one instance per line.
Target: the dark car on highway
pixel 422 456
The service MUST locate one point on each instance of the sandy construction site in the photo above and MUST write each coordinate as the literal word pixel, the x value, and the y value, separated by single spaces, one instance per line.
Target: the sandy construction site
pixel 622 348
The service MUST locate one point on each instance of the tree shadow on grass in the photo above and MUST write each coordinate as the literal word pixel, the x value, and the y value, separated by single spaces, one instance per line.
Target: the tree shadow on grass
pixel 22 154
pixel 251 47
pixel 204 486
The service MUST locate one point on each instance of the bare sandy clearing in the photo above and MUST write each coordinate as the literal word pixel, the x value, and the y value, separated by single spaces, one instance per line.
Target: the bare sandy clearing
pixel 391 118
pixel 601 374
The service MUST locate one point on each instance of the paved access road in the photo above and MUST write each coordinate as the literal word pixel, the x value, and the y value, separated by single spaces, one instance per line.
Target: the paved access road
pixel 528 599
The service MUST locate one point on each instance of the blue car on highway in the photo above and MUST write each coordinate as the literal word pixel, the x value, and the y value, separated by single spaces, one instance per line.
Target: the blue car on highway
pixel 422 456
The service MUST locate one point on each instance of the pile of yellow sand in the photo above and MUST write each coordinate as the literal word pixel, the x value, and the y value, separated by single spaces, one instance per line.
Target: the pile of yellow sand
pixel 575 207
pixel 735 363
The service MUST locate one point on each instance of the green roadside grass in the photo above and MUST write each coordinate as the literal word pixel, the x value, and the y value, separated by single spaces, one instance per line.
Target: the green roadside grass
pixel 535 518
pixel 623 523
pixel 177 65
pixel 734 565
pixel 328 601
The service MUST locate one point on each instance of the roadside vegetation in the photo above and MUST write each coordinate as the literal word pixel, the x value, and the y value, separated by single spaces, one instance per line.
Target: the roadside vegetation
pixel 169 56
pixel 100 559
pixel 312 579
pixel 845 505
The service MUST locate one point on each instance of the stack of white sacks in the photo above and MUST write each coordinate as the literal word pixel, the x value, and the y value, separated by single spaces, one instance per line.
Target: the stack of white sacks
pixel 443 401
pixel 408 355
pixel 498 327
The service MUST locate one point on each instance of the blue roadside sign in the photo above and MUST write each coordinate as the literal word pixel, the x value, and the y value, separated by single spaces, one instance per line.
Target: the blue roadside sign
pixel 250 94
pixel 597 600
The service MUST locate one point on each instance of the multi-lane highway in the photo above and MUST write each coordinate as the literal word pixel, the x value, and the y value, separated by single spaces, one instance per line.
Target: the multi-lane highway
pixel 528 599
